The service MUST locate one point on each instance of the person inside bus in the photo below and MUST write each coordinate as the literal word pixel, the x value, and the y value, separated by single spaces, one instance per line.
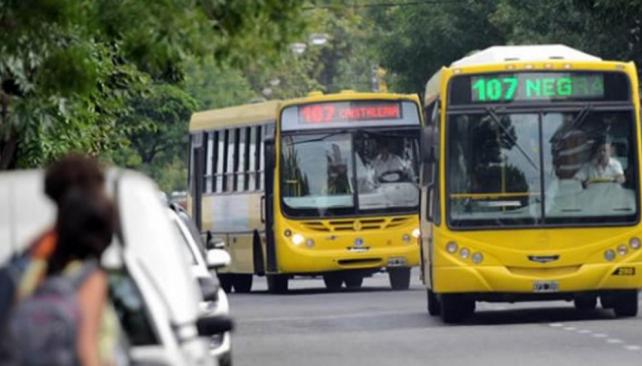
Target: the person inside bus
pixel 387 162
pixel 602 167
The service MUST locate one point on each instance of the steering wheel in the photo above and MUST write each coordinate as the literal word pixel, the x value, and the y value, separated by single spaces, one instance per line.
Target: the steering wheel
pixel 393 176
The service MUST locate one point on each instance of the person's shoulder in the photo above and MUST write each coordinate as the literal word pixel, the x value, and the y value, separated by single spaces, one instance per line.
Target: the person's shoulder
pixel 615 162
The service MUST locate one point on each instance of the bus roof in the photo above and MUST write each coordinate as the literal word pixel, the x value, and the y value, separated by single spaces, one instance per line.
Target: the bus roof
pixel 498 54
pixel 237 116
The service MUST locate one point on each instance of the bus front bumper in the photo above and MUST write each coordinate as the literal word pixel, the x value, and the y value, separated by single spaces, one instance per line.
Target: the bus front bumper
pixel 500 279
pixel 301 261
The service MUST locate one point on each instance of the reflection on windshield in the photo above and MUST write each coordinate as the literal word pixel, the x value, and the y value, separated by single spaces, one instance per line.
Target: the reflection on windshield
pixel 496 175
pixel 349 172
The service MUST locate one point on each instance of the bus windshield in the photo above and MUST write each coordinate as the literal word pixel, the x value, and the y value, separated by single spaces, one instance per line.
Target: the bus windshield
pixel 349 172
pixel 541 168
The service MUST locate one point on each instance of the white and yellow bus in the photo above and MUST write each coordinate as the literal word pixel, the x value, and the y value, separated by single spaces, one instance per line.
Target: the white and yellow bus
pixel 325 185
pixel 531 161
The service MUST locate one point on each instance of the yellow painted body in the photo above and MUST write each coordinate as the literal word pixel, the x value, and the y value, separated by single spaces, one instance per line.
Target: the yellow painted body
pixel 505 267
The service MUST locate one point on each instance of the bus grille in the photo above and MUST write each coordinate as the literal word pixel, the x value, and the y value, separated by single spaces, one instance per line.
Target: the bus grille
pixel 355 224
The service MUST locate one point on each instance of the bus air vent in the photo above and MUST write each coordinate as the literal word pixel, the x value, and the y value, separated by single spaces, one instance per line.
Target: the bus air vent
pixel 359 262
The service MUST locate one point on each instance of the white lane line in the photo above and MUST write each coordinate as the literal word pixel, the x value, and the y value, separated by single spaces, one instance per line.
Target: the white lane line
pixel 569 328
pixel 632 348
pixel 556 325
pixel 318 317
pixel 614 341
pixel 584 331
pixel 600 335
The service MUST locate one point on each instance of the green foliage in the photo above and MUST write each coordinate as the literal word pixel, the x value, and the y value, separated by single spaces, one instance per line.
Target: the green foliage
pixel 89 75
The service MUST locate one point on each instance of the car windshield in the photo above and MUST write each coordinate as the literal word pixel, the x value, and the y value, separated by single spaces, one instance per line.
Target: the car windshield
pixel 349 172
pixel 560 168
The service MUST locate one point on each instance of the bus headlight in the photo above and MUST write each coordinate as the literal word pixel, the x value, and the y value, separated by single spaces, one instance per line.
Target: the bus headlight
pixel 609 255
pixel 416 233
pixel 451 247
pixel 464 253
pixel 634 243
pixel 622 249
pixel 477 257
pixel 406 238
pixel 298 239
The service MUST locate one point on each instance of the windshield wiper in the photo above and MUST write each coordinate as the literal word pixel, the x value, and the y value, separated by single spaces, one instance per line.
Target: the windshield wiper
pixel 495 118
pixel 581 116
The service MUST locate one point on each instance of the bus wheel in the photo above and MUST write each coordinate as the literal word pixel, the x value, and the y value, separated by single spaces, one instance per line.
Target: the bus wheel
pixel 455 308
pixel 625 304
pixel 433 303
pixel 242 283
pixel 277 284
pixel 226 281
pixel 353 281
pixel 333 281
pixel 585 302
pixel 399 278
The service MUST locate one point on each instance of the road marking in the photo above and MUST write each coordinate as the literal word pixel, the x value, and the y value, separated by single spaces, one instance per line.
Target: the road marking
pixel 614 341
pixel 584 331
pixel 318 317
pixel 569 328
pixel 632 348
pixel 556 325
pixel 600 335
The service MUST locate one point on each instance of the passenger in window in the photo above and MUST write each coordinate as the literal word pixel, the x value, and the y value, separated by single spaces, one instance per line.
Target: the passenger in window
pixel 602 168
pixel 389 167
pixel 338 182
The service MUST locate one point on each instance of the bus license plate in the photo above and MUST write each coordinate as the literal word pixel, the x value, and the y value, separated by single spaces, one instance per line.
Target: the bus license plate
pixel 546 286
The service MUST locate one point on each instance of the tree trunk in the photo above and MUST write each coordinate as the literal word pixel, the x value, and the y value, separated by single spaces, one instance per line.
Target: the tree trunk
pixel 9 146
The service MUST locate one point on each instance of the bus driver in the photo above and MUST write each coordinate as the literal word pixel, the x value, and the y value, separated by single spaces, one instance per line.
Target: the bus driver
pixel 388 162
pixel 602 168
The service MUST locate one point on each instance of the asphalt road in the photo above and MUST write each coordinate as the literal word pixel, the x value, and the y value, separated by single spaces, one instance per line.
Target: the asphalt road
pixel 377 326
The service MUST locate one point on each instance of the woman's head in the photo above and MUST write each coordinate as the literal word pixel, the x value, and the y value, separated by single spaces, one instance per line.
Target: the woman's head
pixel 74 171
pixel 84 226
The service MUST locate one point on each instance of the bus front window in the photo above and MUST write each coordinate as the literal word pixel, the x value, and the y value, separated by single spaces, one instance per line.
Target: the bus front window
pixel 387 169
pixel 495 174
pixel 316 171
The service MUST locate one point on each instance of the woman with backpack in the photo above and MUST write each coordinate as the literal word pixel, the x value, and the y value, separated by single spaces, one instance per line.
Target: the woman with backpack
pixel 67 318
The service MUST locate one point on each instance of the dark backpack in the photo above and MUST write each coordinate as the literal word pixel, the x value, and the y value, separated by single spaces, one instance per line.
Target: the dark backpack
pixel 43 327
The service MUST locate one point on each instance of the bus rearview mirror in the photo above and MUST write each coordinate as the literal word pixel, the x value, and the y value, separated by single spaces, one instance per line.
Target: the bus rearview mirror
pixel 428 145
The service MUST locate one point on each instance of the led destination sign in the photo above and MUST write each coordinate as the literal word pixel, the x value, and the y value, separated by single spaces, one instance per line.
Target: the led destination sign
pixel 536 87
pixel 539 87
pixel 348 111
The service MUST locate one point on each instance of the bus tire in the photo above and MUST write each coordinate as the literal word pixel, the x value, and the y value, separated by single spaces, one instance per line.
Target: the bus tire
pixel 243 282
pixel 433 303
pixel 625 304
pixel 455 308
pixel 399 278
pixel 585 302
pixel 353 281
pixel 226 281
pixel 277 283
pixel 333 281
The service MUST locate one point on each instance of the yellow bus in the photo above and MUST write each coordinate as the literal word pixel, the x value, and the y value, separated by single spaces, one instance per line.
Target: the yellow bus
pixel 531 161
pixel 337 192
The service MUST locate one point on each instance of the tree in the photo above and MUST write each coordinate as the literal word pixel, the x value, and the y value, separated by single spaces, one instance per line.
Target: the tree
pixel 71 70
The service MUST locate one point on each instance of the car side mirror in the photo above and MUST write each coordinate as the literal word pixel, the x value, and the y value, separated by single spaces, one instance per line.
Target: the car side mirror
pixel 212 242
pixel 429 145
pixel 211 325
pixel 217 258
pixel 209 288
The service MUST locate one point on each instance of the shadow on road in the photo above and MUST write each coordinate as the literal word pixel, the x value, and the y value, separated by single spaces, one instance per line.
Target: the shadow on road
pixel 535 315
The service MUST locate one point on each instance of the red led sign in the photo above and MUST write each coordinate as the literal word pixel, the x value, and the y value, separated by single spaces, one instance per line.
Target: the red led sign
pixel 348 112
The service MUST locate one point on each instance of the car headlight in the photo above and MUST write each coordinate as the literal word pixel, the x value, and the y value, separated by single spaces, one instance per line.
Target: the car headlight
pixel 634 243
pixel 609 254
pixel 416 233
pixel 477 257
pixel 464 253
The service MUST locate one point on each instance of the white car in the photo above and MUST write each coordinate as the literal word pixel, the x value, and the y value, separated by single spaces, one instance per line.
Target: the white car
pixel 202 263
pixel 151 285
